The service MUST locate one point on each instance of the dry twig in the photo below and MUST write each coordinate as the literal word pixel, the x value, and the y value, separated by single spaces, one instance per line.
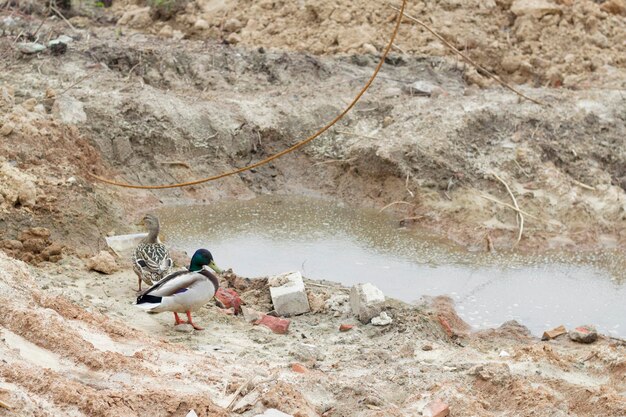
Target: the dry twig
pixel 520 216
pixel 236 394
pixel 394 203
pixel 54 9
pixel 495 200
pixel 465 57
pixel 5 405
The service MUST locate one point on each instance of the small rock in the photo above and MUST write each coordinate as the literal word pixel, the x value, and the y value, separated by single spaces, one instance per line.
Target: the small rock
pixel 27 194
pixel 419 88
pixel 366 301
pixel 370 49
pixel 339 303
pixel 201 24
pixel 436 408
pixel 345 327
pixel 584 334
pixel 136 18
pixel 7 129
pixel 30 104
pixel 233 39
pixel 184 328
pixel 69 110
pixel 103 262
pixel 57 47
pixel 251 315
pixel 387 121
pixel 536 8
pixel 191 413
pixel 166 31
pixel 289 297
pixel 34 245
pixel 511 63
pixel 12 244
pixel 382 320
pixel 299 368
pixel 498 373
pixel 504 354
pixel 427 348
pixel 30 47
pixel 233 25
pixel 551 334
pixel 34 232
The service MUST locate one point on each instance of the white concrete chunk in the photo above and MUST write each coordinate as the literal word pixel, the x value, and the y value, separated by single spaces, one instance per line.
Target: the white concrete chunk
pixel 366 301
pixel 288 294
pixel 123 245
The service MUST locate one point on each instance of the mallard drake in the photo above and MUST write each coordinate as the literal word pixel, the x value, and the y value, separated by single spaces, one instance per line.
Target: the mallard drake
pixel 183 291
pixel 151 259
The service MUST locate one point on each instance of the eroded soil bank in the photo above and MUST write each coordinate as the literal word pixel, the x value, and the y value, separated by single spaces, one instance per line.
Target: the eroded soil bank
pixel 136 103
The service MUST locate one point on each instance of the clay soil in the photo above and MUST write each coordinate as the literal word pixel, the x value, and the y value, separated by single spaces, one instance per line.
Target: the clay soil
pixel 151 94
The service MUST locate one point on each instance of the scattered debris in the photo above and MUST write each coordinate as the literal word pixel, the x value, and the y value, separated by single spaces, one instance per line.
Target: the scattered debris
pixel 29 48
pixel 551 334
pixel 288 294
pixel 366 301
pixel 275 324
pixel 436 408
pixel 228 298
pixel 584 334
pixel 299 368
pixel 504 354
pixel 345 327
pixel 382 320
pixel 191 413
pixel 103 262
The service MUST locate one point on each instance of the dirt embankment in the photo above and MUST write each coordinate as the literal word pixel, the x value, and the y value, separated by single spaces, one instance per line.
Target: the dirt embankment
pixel 149 111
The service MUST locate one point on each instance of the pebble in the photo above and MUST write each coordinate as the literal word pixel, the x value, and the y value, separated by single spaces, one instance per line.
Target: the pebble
pixel 584 334
pixel 30 47
pixel 382 320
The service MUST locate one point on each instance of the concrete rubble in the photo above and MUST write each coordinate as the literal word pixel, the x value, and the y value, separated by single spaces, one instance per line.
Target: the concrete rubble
pixel 289 294
pixel 366 301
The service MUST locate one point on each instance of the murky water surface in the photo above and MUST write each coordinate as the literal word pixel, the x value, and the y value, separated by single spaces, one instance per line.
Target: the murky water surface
pixel 324 240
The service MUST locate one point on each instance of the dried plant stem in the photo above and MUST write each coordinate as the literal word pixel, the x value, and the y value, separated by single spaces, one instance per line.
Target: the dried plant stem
pixel 466 58
pixel 394 203
pixel 520 216
pixel 495 200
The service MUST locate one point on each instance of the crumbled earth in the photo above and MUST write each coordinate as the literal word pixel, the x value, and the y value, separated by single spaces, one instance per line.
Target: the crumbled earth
pixel 156 95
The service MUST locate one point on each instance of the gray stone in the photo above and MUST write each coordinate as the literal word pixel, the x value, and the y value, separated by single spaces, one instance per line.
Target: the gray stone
pixel 288 294
pixel 366 301
pixel 420 88
pixel 69 110
pixel 584 334
pixel 30 47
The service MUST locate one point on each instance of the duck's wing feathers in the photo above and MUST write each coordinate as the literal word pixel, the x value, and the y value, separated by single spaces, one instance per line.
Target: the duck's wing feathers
pixel 174 283
pixel 155 257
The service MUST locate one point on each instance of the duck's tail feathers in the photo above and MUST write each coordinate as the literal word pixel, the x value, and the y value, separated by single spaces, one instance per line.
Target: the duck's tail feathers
pixel 148 301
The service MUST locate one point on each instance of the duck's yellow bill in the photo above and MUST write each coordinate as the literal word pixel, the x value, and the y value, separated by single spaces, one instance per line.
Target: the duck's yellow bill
pixel 214 267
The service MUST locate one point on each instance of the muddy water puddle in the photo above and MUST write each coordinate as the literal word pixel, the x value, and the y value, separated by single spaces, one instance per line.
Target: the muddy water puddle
pixel 325 240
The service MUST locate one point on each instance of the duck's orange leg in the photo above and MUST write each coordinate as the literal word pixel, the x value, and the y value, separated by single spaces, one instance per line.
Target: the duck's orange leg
pixel 195 326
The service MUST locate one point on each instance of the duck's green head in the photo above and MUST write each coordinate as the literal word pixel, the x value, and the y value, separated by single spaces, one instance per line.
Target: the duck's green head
pixel 203 257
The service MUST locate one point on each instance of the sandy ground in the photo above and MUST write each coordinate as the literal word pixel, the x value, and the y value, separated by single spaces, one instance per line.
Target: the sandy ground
pixel 73 344
pixel 143 99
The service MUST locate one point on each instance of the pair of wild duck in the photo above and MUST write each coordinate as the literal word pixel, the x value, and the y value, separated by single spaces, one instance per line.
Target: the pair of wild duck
pixel 178 292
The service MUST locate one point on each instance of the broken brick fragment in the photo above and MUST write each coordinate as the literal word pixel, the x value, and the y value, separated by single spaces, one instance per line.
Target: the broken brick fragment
pixel 275 324
pixel 227 298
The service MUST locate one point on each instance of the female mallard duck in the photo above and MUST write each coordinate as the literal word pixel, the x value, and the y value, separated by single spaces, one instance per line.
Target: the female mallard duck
pixel 151 259
pixel 183 291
